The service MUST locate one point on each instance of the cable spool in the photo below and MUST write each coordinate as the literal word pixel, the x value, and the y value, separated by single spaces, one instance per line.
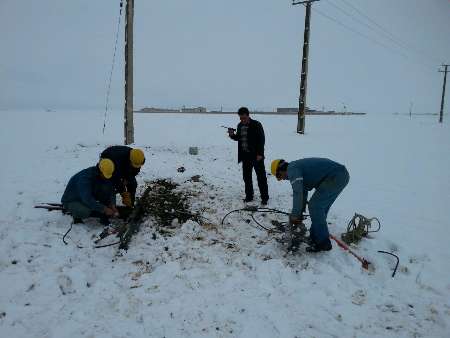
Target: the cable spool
pixel 359 227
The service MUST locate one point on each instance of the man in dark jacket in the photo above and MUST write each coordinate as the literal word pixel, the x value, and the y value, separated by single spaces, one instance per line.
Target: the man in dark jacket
pixel 128 162
pixel 90 193
pixel 328 178
pixel 250 137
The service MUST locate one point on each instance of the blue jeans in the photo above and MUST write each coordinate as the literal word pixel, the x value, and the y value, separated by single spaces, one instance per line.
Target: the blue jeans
pixel 321 201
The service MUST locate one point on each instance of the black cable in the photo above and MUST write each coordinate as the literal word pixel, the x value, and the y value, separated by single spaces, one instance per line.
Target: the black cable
pixel 106 245
pixel 396 265
pixel 254 210
pixel 379 225
pixel 67 232
pixel 236 210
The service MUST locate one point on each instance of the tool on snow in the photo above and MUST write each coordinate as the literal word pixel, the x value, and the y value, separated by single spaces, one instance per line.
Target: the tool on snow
pixel 50 206
pixel 365 263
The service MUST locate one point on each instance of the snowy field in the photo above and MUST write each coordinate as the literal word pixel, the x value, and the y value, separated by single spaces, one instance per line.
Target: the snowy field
pixel 232 280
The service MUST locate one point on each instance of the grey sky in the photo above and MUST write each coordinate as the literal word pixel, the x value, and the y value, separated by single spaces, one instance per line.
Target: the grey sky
pixel 57 54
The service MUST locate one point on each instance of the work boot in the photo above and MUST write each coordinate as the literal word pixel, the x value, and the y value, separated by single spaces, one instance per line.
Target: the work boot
pixel 324 246
pixel 248 199
pixel 264 201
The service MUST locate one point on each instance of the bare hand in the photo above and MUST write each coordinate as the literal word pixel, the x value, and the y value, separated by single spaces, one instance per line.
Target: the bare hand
pixel 259 157
pixel 231 132
pixel 116 212
pixel 108 211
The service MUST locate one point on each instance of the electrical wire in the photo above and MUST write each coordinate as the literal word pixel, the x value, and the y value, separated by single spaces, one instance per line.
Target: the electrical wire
pixel 365 36
pixel 108 90
pixel 396 257
pixel 387 33
pixel 388 36
pixel 254 210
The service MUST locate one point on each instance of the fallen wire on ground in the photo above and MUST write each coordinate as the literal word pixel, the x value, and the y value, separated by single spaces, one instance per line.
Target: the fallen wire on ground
pixel 170 208
pixel 358 227
pixel 162 202
pixel 396 257
pixel 254 209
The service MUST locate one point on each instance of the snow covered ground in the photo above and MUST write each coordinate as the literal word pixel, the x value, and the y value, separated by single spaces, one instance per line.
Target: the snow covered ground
pixel 232 280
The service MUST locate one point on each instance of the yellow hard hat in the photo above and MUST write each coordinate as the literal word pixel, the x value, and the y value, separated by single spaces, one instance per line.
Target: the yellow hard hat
pixel 137 157
pixel 106 167
pixel 274 166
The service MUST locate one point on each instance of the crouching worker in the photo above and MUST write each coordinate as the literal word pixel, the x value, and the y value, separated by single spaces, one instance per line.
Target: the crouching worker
pixel 328 178
pixel 128 162
pixel 90 193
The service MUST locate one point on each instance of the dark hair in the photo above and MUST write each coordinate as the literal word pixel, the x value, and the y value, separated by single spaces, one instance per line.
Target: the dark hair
pixel 243 111
pixel 283 165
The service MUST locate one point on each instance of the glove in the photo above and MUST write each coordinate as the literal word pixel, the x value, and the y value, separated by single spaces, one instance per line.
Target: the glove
pixel 126 199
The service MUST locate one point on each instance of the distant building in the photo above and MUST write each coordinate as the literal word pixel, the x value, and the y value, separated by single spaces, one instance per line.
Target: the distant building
pixel 290 110
pixel 193 110
pixel 158 110
pixel 287 110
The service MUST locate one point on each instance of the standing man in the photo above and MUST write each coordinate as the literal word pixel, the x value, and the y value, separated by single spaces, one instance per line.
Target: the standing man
pixel 90 193
pixel 251 139
pixel 128 162
pixel 329 178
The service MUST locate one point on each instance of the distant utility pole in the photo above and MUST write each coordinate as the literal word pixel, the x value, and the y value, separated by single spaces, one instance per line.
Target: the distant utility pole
pixel 445 71
pixel 304 71
pixel 128 111
pixel 410 109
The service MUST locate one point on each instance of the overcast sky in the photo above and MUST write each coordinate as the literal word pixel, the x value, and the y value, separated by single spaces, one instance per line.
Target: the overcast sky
pixel 57 54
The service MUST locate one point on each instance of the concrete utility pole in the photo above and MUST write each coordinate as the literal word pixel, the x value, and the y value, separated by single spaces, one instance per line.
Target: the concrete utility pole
pixel 304 71
pixel 128 111
pixel 445 71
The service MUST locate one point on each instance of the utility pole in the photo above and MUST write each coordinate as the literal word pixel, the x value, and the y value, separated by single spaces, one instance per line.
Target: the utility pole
pixel 128 111
pixel 445 71
pixel 304 71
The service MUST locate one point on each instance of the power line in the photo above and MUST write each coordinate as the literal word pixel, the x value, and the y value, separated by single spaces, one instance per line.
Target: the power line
pixel 366 36
pixel 374 25
pixel 363 23
pixel 108 90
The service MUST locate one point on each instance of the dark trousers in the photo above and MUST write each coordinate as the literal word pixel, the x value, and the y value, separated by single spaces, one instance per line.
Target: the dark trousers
pixel 321 201
pixel 247 171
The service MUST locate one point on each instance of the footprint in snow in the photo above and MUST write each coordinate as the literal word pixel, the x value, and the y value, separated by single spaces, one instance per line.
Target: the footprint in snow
pixel 65 284
pixel 359 297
